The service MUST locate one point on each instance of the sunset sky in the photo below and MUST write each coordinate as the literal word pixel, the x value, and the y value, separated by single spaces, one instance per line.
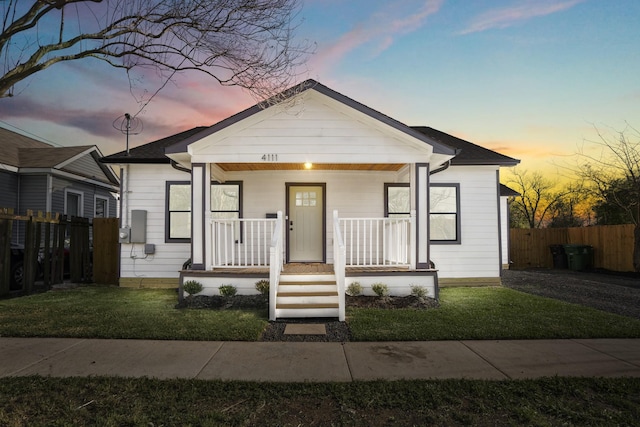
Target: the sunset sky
pixel 527 78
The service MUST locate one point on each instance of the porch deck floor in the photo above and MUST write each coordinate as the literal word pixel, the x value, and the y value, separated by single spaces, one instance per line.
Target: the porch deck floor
pixel 307 268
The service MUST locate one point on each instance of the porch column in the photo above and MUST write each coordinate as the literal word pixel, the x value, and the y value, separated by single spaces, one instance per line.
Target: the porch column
pixel 198 225
pixel 420 184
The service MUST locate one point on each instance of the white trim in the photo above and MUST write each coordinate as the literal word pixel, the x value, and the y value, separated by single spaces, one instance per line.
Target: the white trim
pixel 49 194
pixel 106 210
pixel 67 175
pixel 8 168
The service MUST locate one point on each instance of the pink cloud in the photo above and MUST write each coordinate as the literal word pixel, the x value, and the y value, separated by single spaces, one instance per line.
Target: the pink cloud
pixel 506 17
pixel 381 28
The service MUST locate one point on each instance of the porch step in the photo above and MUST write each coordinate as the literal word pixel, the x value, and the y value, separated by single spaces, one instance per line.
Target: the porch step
pixel 307 295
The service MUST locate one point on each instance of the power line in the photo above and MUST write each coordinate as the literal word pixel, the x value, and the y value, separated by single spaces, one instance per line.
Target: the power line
pixel 32 134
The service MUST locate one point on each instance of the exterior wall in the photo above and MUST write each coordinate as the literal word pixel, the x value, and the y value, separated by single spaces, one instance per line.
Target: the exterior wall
pixel 88 192
pixel 146 185
pixel 8 190
pixel 477 256
pixel 353 194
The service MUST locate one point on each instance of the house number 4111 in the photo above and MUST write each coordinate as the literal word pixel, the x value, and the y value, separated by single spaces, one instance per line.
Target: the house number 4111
pixel 270 157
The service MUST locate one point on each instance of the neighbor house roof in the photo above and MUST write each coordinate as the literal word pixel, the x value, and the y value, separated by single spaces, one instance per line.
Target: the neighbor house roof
pixel 22 152
pixel 507 192
pixel 469 153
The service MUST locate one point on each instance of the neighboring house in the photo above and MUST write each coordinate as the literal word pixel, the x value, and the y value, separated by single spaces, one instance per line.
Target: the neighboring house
pixel 66 180
pixel 315 183
pixel 506 195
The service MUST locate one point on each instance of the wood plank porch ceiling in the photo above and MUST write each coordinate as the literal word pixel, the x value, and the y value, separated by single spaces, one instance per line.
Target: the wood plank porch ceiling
pixel 376 167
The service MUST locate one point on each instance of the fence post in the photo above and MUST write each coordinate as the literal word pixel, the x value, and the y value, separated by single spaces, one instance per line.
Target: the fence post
pixel 6 226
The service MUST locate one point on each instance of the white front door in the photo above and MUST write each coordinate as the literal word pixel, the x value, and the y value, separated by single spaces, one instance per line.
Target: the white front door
pixel 306 223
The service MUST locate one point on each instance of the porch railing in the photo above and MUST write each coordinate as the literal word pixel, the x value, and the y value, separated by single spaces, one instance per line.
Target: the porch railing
pixel 242 242
pixel 339 256
pixel 275 266
pixel 377 242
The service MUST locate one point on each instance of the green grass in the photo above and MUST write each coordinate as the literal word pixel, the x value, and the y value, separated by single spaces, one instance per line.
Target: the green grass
pixel 111 312
pixel 489 313
pixel 104 401
pixel 465 313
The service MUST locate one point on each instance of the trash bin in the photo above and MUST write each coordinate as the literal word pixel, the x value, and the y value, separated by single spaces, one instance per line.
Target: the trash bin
pixel 579 257
pixel 559 256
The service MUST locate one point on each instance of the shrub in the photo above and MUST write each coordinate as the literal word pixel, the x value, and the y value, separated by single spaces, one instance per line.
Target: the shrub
pixel 419 291
pixel 380 289
pixel 192 287
pixel 228 290
pixel 262 286
pixel 354 289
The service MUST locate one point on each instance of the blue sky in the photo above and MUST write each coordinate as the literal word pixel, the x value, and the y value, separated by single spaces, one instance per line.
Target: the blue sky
pixel 528 78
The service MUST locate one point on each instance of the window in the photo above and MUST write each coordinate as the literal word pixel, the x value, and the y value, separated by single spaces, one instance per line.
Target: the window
pixel 444 218
pixel 178 222
pixel 397 200
pixel 73 203
pixel 101 208
pixel 226 202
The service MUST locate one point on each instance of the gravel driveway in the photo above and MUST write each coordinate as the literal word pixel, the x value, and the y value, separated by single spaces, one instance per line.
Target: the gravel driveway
pixel 611 293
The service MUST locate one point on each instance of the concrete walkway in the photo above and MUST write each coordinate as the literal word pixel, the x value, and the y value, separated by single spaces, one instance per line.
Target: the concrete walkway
pixel 319 362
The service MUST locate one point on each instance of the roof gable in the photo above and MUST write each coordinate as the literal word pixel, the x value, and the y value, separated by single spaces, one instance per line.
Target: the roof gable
pixel 300 93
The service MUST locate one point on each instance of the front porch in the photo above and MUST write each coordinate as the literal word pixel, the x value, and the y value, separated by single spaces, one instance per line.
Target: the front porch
pixel 363 250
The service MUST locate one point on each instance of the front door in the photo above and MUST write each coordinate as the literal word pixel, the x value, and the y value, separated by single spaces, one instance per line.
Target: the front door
pixel 305 223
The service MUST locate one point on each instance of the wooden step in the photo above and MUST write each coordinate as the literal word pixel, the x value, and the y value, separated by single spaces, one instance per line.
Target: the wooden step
pixel 308 294
pixel 306 283
pixel 305 306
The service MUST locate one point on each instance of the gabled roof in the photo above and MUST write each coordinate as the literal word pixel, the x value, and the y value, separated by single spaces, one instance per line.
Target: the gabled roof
pixel 469 153
pixel 298 89
pixel 22 152
pixel 152 152
pixel 48 157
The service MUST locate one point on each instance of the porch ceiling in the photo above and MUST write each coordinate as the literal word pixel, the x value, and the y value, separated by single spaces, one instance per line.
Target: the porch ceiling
pixel 384 167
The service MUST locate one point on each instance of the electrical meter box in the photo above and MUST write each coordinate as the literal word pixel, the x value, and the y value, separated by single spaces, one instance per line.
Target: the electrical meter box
pixel 138 232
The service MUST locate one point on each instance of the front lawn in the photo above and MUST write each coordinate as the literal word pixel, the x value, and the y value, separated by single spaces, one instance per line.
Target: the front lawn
pixel 112 312
pixel 465 313
pixel 489 313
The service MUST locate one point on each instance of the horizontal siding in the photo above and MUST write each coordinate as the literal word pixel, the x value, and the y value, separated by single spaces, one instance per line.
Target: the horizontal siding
pixel 86 166
pixel 8 190
pixel 88 192
pixel 310 131
pixel 147 192
pixel 478 254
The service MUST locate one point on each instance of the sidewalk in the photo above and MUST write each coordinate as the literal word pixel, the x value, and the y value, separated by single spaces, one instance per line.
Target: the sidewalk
pixel 319 362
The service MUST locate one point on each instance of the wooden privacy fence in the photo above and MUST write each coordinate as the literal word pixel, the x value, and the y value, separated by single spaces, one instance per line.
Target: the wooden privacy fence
pixel 612 245
pixel 55 246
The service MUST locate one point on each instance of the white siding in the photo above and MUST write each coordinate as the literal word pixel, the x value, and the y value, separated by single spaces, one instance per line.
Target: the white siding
pixel 477 255
pixel 315 130
pixel 353 194
pixel 147 192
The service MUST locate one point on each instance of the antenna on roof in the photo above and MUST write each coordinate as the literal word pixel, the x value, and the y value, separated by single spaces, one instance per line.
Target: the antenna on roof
pixel 128 125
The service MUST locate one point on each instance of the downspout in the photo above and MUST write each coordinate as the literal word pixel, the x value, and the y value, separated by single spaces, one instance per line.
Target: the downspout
pixel 176 166
pixel 441 168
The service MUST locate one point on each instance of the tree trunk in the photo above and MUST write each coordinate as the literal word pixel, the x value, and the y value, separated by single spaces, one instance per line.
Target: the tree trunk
pixel 636 247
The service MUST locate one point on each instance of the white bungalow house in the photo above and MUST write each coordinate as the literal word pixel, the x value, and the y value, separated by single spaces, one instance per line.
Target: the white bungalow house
pixel 313 192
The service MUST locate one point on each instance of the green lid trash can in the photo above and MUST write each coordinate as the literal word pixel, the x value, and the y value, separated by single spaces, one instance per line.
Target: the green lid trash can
pixel 579 257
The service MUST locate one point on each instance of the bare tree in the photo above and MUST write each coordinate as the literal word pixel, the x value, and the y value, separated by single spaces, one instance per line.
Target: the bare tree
pixel 537 198
pixel 608 162
pixel 247 43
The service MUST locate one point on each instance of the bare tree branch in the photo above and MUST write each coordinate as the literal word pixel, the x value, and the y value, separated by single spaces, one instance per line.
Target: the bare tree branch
pixel 247 43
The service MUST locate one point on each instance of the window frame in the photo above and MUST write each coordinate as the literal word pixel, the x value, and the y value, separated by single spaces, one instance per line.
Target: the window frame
pixel 240 205
pixel 167 213
pixel 80 195
pixel 458 239
pixel 106 206
pixel 388 185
